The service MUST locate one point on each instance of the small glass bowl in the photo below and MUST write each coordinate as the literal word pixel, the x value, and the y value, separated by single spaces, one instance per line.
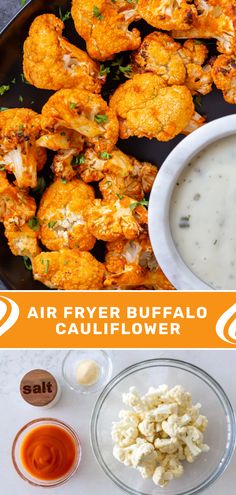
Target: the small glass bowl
pixel 74 358
pixel 220 434
pixel 16 458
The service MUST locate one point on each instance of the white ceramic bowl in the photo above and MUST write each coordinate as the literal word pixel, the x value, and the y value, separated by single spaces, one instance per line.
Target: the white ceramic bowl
pixel 163 245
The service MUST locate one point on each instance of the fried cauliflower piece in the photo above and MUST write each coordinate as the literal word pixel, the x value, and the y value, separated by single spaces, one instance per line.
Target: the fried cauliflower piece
pixel 122 174
pixel 16 205
pixel 168 14
pixel 68 269
pixel 216 19
pixel 22 241
pixel 51 62
pixel 19 129
pixel 115 219
pixel 132 263
pixel 224 76
pixel 146 108
pixel 83 113
pixel 104 25
pixel 62 218
pixel 174 63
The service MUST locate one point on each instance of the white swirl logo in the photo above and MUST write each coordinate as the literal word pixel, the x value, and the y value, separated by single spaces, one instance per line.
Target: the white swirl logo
pixel 9 314
pixel 226 326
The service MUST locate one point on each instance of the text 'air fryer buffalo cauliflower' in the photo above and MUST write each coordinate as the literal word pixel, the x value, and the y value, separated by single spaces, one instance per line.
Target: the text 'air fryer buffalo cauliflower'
pixel 132 263
pixel 61 216
pixel 115 219
pixel 104 25
pixel 51 62
pixel 224 76
pixel 68 269
pixel 122 174
pixel 173 62
pixel 84 114
pixel 216 19
pixel 145 107
pixel 19 129
pixel 168 14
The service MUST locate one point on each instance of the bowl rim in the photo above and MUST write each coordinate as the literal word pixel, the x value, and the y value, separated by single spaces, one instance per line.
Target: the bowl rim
pixel 161 239
pixel 186 366
pixel 40 483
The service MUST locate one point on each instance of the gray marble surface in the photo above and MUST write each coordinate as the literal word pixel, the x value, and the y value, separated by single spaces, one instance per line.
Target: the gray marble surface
pixel 8 8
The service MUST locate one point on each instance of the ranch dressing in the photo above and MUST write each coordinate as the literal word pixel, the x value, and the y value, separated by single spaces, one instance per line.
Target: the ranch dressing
pixel 203 214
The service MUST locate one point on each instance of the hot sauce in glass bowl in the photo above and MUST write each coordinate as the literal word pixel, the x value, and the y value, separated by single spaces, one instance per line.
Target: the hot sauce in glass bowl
pixel 46 452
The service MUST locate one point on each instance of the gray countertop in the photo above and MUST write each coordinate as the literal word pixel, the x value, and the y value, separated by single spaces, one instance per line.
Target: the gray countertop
pixel 8 9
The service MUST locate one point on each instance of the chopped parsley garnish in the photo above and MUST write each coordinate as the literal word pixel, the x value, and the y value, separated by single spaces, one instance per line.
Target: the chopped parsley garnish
pixel 4 88
pixel 97 13
pixel 2 109
pixel 197 101
pixel 120 196
pixel 34 223
pixel 2 167
pixel 21 99
pixel 125 69
pixel 51 224
pixel 27 262
pixel 105 156
pixel 13 81
pixel 198 42
pixel 32 102
pixel 41 185
pixel 23 2
pixel 100 119
pixel 72 105
pixel 64 181
pixel 103 71
pixel 142 202
pixel 46 264
pixel 78 159
pixel 23 79
pixel 64 17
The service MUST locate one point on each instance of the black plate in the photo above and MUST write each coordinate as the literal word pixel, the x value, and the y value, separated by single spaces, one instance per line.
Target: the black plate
pixel 12 270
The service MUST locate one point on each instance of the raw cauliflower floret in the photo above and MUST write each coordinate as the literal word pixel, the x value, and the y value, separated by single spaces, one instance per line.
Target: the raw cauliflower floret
pixel 68 269
pixel 131 263
pixel 19 129
pixel 104 25
pixel 167 15
pixel 122 174
pixel 216 19
pixel 125 432
pixel 51 62
pixel 115 219
pixel 224 76
pixel 145 107
pixel 83 113
pixel 62 218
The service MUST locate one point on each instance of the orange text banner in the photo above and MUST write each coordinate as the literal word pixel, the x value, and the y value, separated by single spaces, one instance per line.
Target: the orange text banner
pixel 117 319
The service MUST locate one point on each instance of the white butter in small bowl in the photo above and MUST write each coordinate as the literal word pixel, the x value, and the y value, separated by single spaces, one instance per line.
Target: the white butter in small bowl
pixel 192 210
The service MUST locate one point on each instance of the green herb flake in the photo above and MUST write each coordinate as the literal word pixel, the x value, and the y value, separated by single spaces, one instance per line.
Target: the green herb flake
pixel 78 160
pixel 46 263
pixel 197 101
pixel 41 186
pixel 72 105
pixel 21 99
pixel 105 156
pixel 51 224
pixel 4 88
pixel 27 262
pixel 198 42
pixel 23 79
pixel 64 17
pixel 34 223
pixel 100 119
pixel 103 71
pixel 97 13
pixel 120 196
pixel 64 181
pixel 2 167
pixel 13 81
pixel 2 109
pixel 143 202
pixel 23 2
pixel 126 70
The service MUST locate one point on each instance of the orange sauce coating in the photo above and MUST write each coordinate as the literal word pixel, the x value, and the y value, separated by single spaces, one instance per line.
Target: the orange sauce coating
pixel 48 452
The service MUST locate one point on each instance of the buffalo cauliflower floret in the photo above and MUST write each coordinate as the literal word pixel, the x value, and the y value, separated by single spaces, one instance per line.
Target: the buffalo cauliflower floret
pixel 61 216
pixel 174 63
pixel 224 76
pixel 216 19
pixel 17 207
pixel 122 174
pixel 83 113
pixel 65 163
pixel 51 62
pixel 146 108
pixel 115 219
pixel 104 25
pixel 168 14
pixel 131 263
pixel 22 241
pixel 68 269
pixel 19 129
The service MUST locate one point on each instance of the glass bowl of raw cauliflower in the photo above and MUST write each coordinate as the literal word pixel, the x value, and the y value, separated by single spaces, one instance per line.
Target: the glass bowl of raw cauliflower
pixel 163 426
